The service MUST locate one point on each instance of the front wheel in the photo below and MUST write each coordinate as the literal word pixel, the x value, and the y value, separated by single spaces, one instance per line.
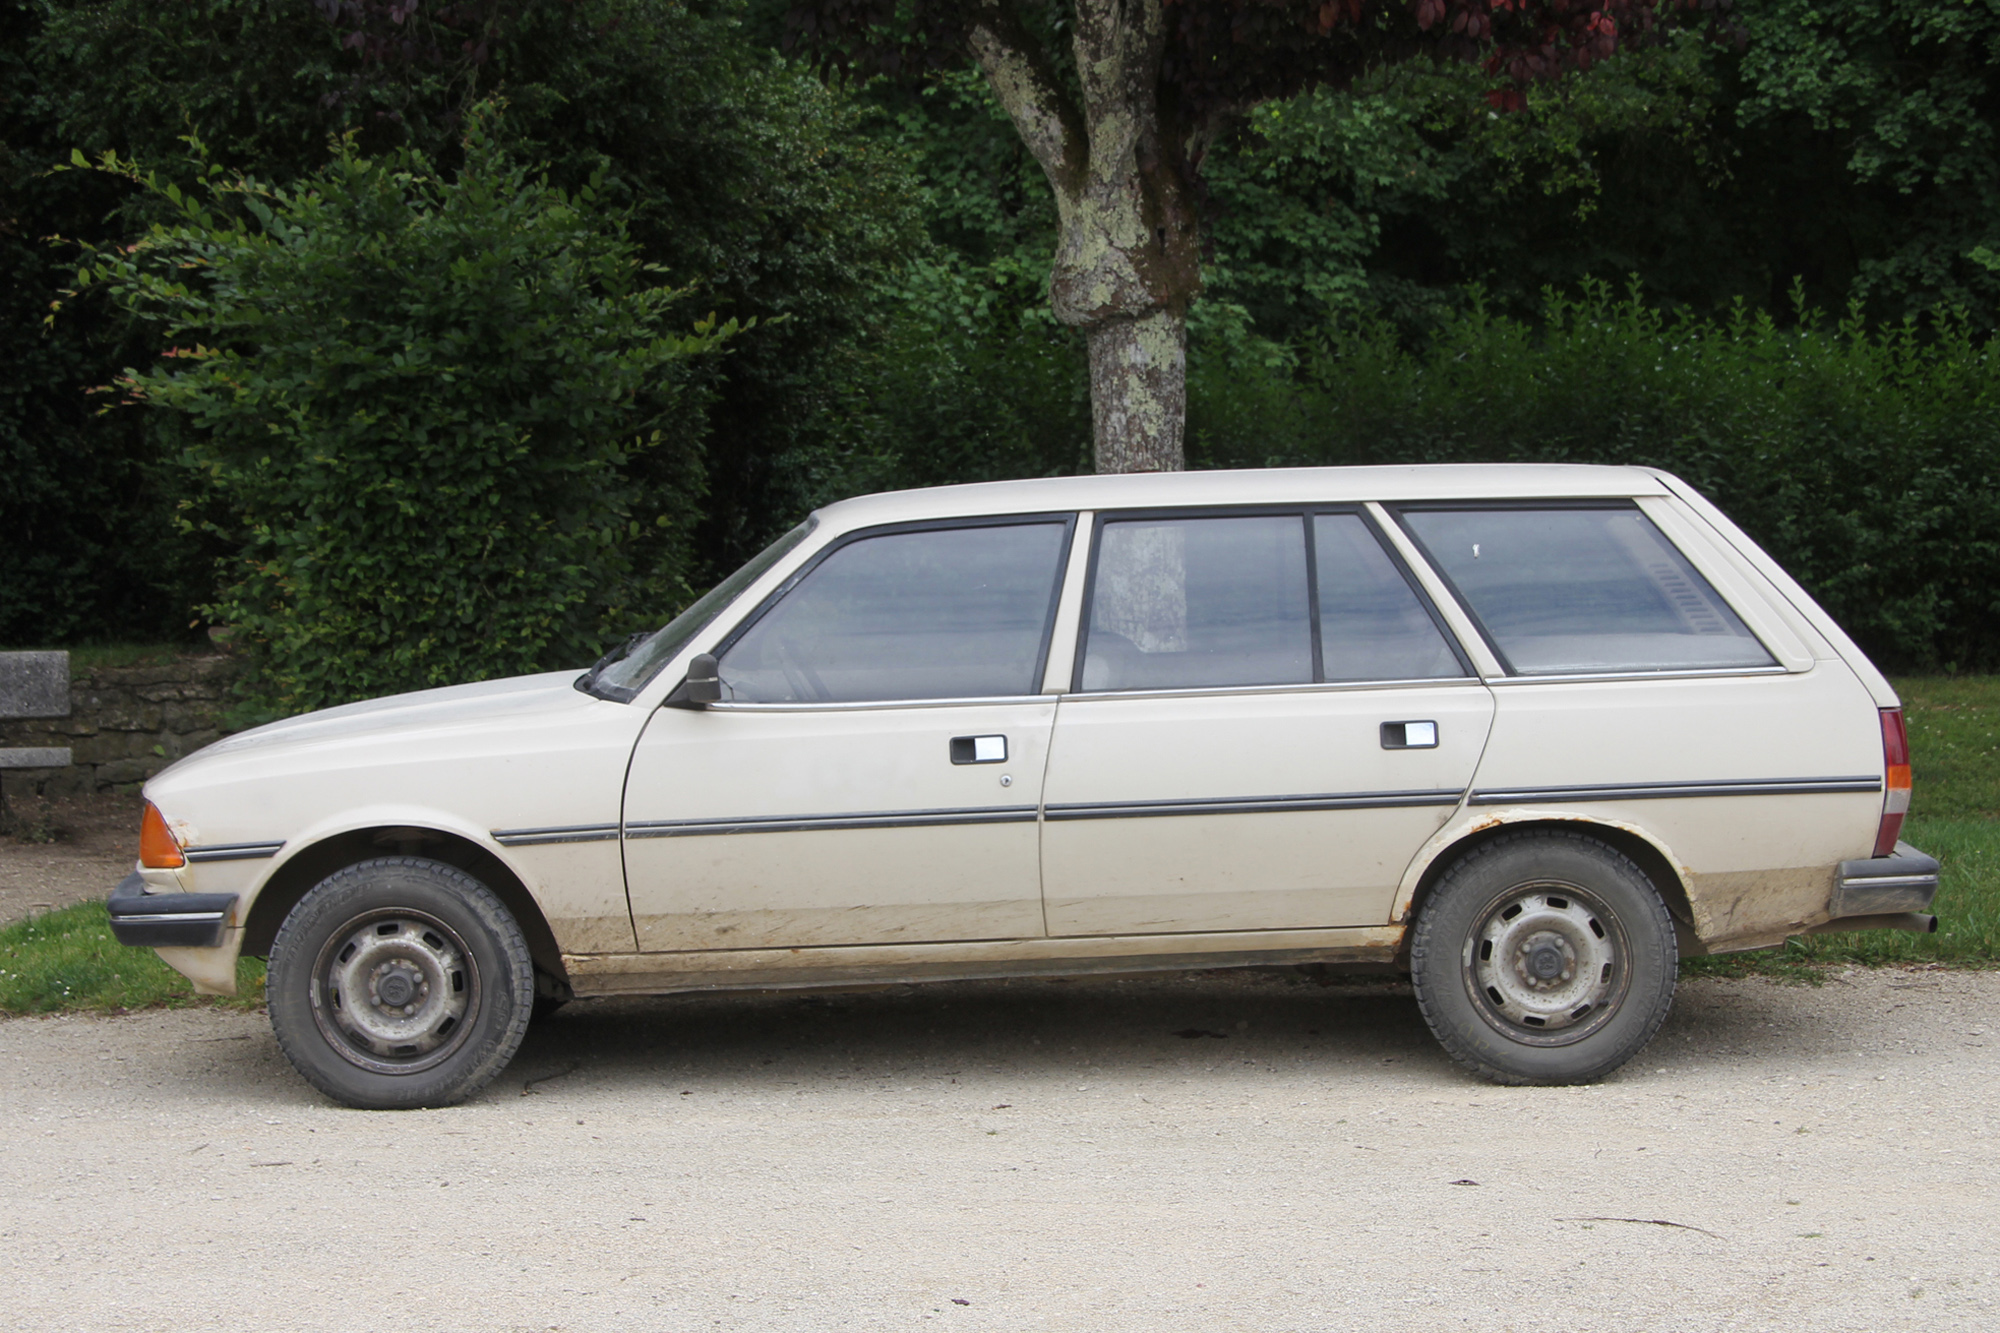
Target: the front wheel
pixel 1544 957
pixel 399 982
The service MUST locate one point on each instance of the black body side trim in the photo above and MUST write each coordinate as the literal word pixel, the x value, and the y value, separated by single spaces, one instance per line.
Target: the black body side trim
pixel 1251 805
pixel 536 837
pixel 694 828
pixel 1660 791
pixel 167 920
pixel 234 851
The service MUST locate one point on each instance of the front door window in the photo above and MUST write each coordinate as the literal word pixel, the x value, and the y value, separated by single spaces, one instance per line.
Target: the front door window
pixel 941 613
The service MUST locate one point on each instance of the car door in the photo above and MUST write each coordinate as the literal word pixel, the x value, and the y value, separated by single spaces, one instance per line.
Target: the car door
pixel 1269 721
pixel 874 771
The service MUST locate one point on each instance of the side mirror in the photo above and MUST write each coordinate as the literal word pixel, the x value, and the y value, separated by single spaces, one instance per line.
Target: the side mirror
pixel 703 685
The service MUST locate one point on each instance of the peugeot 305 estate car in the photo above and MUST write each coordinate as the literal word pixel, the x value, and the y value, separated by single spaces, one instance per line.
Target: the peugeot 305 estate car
pixel 1530 733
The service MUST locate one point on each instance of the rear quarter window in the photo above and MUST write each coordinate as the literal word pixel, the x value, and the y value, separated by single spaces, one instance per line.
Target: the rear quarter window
pixel 1568 590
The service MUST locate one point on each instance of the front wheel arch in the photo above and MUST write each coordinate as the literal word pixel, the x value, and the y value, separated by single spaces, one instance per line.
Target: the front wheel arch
pixel 299 874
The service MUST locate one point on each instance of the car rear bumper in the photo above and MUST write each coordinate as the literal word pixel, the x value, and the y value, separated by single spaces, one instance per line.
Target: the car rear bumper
pixel 1891 892
pixel 167 920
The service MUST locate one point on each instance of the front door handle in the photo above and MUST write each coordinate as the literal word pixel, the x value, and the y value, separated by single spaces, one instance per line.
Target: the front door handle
pixel 978 749
pixel 1409 735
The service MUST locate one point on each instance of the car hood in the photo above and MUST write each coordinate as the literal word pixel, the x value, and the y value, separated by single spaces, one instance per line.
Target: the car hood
pixel 425 711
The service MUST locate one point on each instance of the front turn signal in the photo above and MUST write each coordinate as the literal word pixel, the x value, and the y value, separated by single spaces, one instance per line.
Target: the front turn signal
pixel 158 849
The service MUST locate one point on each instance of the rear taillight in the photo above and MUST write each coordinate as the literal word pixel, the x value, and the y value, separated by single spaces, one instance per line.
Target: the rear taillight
pixel 1895 780
pixel 158 848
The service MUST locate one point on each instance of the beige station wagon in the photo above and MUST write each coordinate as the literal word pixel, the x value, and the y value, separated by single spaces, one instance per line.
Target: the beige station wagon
pixel 1531 733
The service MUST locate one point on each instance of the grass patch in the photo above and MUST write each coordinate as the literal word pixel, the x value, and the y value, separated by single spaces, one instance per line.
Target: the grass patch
pixel 68 960
pixel 1954 726
pixel 1954 746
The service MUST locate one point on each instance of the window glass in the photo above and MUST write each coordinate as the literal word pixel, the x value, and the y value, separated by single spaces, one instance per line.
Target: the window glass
pixel 637 667
pixel 1371 624
pixel 948 613
pixel 1568 590
pixel 1199 601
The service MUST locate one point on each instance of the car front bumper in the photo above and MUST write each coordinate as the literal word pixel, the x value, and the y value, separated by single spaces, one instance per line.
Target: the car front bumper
pixel 167 920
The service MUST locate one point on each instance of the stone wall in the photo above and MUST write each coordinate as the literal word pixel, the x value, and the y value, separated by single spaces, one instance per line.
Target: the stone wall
pixel 127 723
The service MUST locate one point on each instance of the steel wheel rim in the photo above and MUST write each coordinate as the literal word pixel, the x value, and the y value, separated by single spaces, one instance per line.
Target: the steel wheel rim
pixel 1547 964
pixel 395 991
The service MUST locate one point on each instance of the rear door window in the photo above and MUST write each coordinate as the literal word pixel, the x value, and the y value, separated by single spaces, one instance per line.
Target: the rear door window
pixel 1204 601
pixel 1569 589
pixel 937 613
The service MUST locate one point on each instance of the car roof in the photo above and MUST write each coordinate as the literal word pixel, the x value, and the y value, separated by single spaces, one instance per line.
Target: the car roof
pixel 1298 485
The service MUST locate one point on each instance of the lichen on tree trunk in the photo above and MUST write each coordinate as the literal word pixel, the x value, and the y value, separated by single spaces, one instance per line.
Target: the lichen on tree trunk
pixel 1127 261
pixel 1138 391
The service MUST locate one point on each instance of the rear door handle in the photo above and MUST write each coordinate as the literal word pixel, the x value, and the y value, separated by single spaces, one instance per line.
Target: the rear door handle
pixel 1409 735
pixel 978 749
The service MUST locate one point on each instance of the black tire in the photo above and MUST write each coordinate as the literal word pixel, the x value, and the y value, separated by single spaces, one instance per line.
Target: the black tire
pixel 1544 957
pixel 399 982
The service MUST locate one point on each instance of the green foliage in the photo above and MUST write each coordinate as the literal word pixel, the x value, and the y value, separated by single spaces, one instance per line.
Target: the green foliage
pixel 1379 197
pixel 969 377
pixel 739 172
pixel 86 544
pixel 1867 463
pixel 1909 92
pixel 68 960
pixel 443 427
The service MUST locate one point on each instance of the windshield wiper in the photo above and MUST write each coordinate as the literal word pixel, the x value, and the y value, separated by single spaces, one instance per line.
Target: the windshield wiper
pixel 588 679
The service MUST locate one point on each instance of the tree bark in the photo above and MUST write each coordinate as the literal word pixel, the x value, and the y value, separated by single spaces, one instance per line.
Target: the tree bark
pixel 1127 262
pixel 1138 391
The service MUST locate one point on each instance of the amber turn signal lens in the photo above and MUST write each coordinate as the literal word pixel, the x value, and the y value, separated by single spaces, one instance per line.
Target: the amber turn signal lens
pixel 157 848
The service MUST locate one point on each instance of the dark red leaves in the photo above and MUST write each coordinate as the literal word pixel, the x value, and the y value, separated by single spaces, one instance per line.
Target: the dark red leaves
pixel 1224 55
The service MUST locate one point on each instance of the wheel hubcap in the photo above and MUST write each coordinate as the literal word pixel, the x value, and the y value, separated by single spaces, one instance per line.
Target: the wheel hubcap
pixel 394 991
pixel 1546 964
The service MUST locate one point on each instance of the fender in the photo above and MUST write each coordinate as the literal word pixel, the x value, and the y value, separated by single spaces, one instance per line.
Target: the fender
pixel 1466 823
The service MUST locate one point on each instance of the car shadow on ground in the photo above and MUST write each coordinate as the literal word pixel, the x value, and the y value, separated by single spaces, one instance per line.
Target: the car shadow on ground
pixel 1259 1024
pixel 1023 1027
pixel 1240 1024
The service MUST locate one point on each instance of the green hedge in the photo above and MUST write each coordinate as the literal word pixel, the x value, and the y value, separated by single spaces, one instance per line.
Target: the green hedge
pixel 1864 461
pixel 445 429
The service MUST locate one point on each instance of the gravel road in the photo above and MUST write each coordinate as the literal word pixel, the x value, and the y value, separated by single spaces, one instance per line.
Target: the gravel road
pixel 1025 1156
pixel 98 846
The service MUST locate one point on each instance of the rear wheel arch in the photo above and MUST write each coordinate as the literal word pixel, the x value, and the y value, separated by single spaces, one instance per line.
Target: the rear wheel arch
pixel 1667 878
pixel 297 877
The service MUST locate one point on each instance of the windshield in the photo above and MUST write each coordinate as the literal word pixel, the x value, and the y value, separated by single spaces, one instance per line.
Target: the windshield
pixel 626 676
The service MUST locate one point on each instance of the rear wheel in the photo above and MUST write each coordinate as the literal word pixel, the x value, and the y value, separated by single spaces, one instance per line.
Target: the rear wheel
pixel 1544 957
pixel 399 982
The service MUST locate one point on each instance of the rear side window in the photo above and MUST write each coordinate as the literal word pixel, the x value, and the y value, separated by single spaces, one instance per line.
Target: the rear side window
pixel 942 613
pixel 1567 590
pixel 1191 602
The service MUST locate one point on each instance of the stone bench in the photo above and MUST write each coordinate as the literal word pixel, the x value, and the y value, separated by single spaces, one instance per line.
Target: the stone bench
pixel 34 685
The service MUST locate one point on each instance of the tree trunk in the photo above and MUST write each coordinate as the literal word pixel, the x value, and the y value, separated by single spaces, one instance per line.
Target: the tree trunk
pixel 1138 391
pixel 1127 257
